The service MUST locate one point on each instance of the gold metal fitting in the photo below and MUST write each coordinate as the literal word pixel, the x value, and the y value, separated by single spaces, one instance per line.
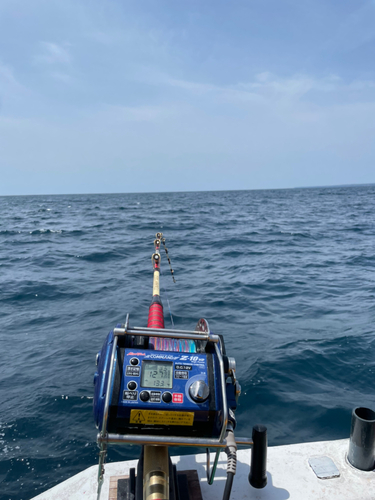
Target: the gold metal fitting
pixel 156 473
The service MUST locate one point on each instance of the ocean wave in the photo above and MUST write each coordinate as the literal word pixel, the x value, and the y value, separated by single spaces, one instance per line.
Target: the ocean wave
pixel 285 276
pixel 104 256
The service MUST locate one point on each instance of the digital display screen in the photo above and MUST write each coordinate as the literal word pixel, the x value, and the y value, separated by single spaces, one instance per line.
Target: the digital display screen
pixel 157 374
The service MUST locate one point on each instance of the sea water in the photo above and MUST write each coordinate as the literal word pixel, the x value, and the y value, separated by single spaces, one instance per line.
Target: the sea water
pixel 287 276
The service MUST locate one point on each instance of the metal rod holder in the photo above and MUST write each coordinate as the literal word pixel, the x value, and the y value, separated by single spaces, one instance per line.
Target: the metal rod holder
pixel 169 440
pixel 362 439
pixel 170 334
pixel 258 466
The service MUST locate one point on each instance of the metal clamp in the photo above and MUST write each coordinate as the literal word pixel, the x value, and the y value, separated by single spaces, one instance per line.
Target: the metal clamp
pixel 145 439
pixel 166 333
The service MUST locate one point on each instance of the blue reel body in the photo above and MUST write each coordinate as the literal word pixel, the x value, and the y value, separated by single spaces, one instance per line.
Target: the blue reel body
pixel 160 392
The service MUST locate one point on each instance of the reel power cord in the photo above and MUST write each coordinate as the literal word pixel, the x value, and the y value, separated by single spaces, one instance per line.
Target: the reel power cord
pixel 231 451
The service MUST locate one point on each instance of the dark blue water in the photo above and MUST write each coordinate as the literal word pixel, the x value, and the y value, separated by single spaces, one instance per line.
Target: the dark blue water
pixel 286 275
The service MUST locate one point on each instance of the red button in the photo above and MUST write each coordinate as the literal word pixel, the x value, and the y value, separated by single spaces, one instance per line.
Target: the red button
pixel 177 397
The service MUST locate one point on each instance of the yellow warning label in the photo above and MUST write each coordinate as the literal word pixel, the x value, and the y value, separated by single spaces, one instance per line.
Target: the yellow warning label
pixel 154 417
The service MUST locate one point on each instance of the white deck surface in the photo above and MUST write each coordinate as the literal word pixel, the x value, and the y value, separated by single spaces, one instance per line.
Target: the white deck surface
pixel 289 476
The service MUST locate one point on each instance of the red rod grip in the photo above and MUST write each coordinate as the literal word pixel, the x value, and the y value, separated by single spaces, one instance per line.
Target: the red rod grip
pixel 155 316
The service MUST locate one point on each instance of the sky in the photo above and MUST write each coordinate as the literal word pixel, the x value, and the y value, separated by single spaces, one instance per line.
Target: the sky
pixel 101 96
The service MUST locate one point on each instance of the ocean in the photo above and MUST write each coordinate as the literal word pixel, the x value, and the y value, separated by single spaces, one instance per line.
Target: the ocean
pixel 287 276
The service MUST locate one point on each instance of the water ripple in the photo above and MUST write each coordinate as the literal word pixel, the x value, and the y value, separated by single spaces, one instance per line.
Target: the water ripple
pixel 285 275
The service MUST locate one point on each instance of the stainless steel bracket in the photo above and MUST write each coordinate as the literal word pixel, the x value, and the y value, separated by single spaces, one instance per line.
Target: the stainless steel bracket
pixel 145 439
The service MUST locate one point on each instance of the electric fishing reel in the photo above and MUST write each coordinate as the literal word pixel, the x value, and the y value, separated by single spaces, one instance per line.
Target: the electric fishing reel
pixel 160 387
pixel 164 386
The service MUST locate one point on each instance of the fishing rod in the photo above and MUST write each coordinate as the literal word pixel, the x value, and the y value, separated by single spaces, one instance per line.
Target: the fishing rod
pixel 155 458
pixel 156 312
pixel 159 387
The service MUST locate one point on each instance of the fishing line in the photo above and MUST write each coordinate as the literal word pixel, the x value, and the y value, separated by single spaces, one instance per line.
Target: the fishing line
pixel 166 295
pixel 169 260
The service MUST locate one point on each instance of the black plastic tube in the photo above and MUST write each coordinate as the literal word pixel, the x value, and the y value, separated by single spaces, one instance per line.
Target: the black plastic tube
pixel 362 439
pixel 228 486
pixel 258 467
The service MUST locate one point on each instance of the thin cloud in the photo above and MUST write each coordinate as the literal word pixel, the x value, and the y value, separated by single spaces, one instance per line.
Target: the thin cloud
pixel 267 86
pixel 294 87
pixel 11 90
pixel 52 53
pixel 118 114
pixel 7 77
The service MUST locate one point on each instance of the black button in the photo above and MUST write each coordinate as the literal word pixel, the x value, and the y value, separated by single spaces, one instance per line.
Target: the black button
pixel 131 386
pixel 167 397
pixel 144 396
pixel 134 361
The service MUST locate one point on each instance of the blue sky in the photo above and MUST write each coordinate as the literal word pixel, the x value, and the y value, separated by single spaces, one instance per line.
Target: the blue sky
pixel 175 95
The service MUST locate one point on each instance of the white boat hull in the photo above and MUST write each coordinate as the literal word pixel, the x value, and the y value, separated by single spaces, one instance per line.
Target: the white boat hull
pixel 289 476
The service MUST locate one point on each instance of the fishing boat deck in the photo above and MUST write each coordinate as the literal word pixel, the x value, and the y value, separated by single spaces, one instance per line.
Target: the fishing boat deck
pixel 289 474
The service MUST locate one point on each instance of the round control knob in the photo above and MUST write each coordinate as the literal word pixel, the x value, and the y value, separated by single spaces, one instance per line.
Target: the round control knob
pixel 134 361
pixel 167 397
pixel 132 385
pixel 199 391
pixel 144 396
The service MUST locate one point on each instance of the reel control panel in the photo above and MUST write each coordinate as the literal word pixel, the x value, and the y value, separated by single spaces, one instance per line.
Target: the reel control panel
pixel 165 380
pixel 160 392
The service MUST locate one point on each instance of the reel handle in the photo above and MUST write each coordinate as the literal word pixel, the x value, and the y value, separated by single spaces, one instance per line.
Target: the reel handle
pixel 258 467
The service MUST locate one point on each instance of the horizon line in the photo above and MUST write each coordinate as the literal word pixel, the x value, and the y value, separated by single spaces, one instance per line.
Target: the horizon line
pixel 201 191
